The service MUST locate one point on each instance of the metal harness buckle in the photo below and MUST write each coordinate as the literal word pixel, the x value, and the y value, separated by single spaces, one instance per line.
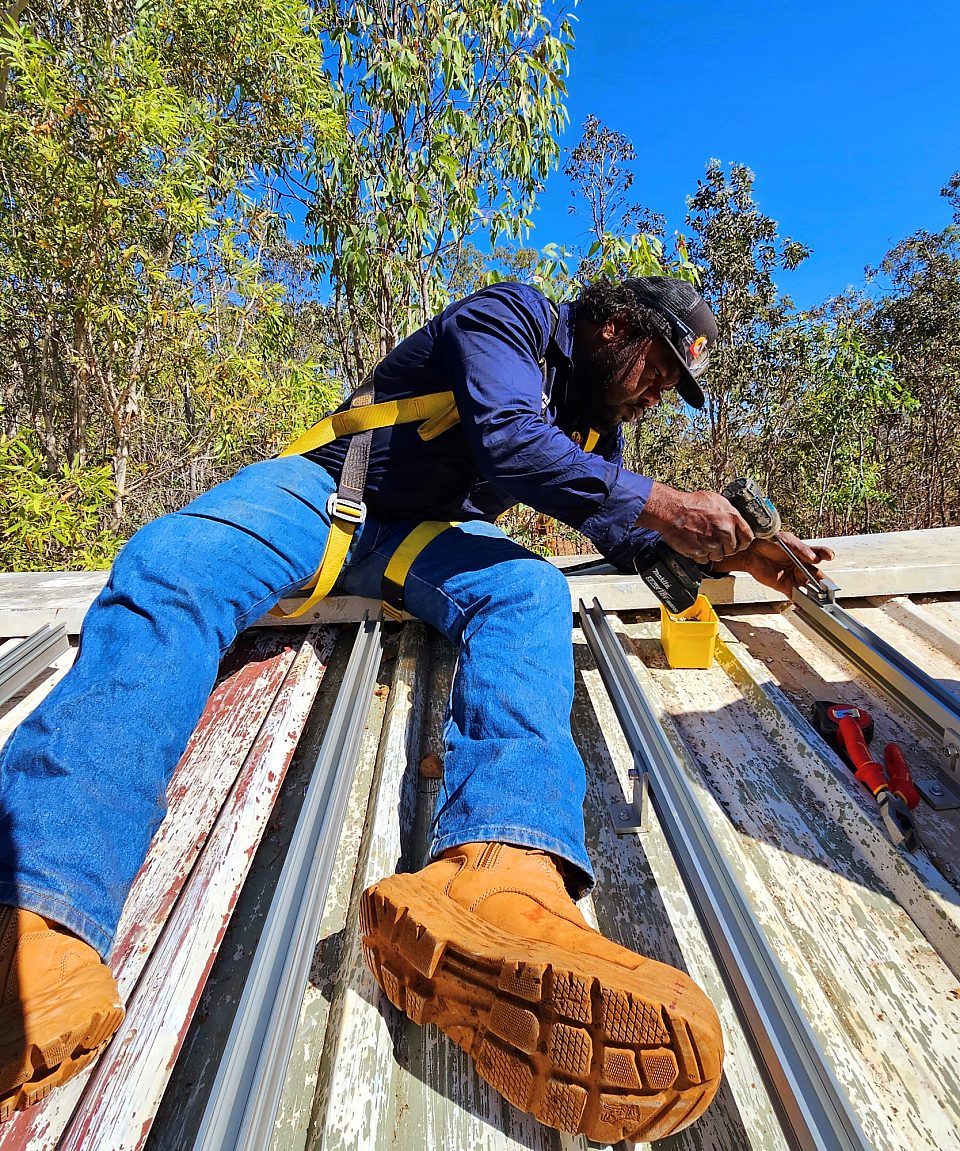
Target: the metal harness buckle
pixel 350 511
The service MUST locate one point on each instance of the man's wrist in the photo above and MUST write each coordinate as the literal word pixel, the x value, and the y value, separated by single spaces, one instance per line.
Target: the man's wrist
pixel 656 511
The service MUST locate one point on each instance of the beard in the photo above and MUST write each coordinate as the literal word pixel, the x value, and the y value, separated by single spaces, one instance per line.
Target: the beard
pixel 598 375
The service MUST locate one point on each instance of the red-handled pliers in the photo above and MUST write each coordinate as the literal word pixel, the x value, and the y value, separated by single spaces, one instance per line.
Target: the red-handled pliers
pixel 848 730
pixel 899 776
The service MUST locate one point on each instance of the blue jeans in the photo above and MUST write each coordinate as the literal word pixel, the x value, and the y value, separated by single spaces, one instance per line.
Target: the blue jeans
pixel 83 778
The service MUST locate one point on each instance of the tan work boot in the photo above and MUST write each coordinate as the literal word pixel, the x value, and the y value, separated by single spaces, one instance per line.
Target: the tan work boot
pixel 59 1005
pixel 588 1036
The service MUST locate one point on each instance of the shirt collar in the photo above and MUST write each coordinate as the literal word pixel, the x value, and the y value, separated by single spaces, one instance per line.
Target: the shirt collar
pixel 565 326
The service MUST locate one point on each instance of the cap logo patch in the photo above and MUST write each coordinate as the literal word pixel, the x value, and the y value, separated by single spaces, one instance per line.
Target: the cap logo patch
pixel 698 346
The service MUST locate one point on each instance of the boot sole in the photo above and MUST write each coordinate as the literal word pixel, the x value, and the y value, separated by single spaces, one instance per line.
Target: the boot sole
pixel 46 1040
pixel 585 1045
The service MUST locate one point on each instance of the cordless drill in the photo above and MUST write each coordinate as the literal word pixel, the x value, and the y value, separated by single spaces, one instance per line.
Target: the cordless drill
pixel 675 579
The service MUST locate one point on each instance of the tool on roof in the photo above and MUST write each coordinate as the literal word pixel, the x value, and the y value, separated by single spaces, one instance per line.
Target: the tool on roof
pixel 675 579
pixel 759 511
pixel 848 730
pixel 900 776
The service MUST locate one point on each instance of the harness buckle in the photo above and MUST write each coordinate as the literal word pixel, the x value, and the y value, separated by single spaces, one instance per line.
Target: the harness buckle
pixel 350 511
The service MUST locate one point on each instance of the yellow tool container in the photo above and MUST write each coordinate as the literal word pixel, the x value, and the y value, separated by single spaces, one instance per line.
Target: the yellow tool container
pixel 690 638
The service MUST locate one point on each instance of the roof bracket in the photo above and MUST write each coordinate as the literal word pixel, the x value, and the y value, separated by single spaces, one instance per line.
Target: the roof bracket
pixel 629 816
pixel 943 792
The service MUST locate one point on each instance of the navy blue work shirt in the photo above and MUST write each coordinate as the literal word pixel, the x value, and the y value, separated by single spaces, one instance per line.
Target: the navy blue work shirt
pixel 508 361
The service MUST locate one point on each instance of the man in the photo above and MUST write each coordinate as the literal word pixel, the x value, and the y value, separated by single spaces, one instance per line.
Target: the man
pixel 486 941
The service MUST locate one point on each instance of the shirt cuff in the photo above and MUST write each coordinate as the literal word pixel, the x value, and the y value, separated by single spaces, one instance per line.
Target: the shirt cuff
pixel 612 527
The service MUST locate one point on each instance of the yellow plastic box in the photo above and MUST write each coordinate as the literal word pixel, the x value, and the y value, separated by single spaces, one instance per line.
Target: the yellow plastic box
pixel 690 638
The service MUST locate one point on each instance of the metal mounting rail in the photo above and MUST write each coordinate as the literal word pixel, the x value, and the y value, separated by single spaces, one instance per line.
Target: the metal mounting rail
pixel 922 695
pixel 242 1108
pixel 25 660
pixel 815 1113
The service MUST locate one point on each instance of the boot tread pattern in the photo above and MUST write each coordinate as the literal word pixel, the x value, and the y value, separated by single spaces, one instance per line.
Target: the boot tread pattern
pixel 582 1056
pixel 571 1049
pixel 620 1068
pixel 44 1066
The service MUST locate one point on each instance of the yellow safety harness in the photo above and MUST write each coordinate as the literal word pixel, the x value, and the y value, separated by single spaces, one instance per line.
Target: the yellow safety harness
pixel 347 511
pixel 395 576
pixel 358 420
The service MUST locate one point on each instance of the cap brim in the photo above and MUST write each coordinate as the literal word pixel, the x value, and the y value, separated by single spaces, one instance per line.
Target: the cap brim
pixel 687 387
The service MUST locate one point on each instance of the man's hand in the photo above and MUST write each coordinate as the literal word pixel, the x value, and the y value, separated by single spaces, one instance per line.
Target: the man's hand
pixel 769 564
pixel 701 525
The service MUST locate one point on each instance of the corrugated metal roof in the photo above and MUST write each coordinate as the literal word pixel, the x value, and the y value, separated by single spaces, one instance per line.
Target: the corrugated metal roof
pixel 868 935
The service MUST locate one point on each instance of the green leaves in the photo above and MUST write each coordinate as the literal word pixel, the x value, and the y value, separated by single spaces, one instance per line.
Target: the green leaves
pixel 452 116
pixel 140 168
pixel 52 521
pixel 158 329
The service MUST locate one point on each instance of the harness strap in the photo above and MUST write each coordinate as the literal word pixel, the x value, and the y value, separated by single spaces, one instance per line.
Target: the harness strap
pixel 353 474
pixel 395 576
pixel 347 511
pixel 435 409
pixel 445 419
pixel 345 507
pixel 334 557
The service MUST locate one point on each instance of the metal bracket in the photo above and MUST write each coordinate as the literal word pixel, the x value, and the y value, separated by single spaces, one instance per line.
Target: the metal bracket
pixel 629 816
pixel 826 591
pixel 943 793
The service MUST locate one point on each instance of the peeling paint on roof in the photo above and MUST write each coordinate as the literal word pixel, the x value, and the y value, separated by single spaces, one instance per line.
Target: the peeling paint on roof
pixel 868 935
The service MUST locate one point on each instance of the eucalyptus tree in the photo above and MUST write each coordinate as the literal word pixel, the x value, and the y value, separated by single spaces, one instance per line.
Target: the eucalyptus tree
pixel 916 319
pixel 600 174
pixel 739 251
pixel 141 150
pixel 829 459
pixel 452 113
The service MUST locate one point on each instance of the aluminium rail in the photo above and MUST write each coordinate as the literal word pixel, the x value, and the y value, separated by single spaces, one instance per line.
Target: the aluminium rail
pixel 813 1110
pixel 921 694
pixel 241 1111
pixel 24 661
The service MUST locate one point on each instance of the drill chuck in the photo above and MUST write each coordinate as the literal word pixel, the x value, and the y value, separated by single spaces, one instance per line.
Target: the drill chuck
pixel 758 510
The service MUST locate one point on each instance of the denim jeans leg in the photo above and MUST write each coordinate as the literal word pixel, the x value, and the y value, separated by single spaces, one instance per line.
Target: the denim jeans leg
pixel 83 779
pixel 512 771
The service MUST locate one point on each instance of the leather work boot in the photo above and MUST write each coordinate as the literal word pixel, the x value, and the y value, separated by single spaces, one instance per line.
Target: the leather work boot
pixel 59 1005
pixel 591 1038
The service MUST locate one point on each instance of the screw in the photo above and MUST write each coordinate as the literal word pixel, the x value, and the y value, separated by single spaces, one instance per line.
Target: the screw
pixel 624 812
pixel 936 789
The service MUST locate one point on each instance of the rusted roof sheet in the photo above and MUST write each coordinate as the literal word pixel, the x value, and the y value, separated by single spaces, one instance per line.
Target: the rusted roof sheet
pixel 181 902
pixel 868 935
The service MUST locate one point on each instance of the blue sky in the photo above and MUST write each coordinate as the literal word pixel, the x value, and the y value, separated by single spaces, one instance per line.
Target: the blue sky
pixel 847 112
